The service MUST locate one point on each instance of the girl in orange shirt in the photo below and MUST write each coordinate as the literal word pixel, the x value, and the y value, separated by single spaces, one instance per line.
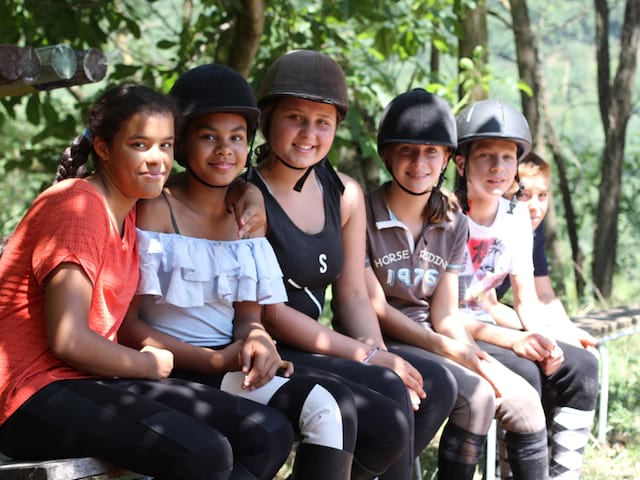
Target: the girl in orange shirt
pixel 68 274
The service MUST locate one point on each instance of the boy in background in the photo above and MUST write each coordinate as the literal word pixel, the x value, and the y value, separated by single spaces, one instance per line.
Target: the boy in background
pixel 535 179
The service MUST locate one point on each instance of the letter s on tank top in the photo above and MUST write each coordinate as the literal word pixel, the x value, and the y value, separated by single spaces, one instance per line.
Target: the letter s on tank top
pixel 310 263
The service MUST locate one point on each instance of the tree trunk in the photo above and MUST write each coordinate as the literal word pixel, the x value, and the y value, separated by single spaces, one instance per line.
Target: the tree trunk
pixel 615 109
pixel 565 190
pixel 474 27
pixel 434 62
pixel 531 71
pixel 246 37
pixel 527 54
pixel 238 45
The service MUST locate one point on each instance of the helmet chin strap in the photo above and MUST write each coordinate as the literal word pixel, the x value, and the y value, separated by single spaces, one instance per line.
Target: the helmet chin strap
pixel 514 200
pixel 194 175
pixel 300 183
pixel 405 189
pixel 247 175
pixel 428 190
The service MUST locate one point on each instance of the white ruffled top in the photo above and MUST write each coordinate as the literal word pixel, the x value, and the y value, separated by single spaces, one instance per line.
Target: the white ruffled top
pixel 192 283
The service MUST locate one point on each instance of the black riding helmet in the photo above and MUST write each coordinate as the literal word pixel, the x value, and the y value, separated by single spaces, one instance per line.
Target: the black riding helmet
pixel 305 74
pixel 417 117
pixel 214 88
pixel 494 119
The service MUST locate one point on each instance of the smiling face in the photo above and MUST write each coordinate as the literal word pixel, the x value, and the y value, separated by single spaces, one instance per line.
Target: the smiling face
pixel 138 160
pixel 416 167
pixel 216 147
pixel 491 167
pixel 535 196
pixel 302 131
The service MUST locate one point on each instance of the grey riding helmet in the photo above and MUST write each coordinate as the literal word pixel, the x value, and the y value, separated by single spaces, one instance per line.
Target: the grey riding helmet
pixel 417 117
pixel 494 119
pixel 214 88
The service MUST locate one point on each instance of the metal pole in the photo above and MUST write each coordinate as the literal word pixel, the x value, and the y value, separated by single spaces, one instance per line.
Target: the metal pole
pixel 604 394
pixel 490 467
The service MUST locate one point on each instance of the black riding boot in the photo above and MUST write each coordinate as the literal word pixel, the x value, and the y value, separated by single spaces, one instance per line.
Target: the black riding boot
pixel 316 462
pixel 528 455
pixel 358 472
pixel 458 453
pixel 241 473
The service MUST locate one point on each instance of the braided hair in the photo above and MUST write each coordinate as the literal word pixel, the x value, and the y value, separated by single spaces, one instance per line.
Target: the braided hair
pixel 461 182
pixel 105 119
pixel 439 205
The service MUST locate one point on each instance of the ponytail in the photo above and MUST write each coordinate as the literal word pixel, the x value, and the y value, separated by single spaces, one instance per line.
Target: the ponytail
pixel 461 193
pixel 438 206
pixel 72 163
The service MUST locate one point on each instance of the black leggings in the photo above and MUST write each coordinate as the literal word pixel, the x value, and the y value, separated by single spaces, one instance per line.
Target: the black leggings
pixel 168 429
pixel 574 384
pixel 441 388
pixel 290 399
pixel 385 441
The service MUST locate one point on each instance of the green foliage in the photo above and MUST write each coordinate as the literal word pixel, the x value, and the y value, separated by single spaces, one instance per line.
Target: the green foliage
pixel 384 48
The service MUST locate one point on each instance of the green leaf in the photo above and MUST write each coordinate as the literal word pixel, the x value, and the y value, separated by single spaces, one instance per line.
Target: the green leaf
pixel 466 64
pixel 124 71
pixel 50 113
pixel 33 109
pixel 133 27
pixel 165 44
pixel 522 85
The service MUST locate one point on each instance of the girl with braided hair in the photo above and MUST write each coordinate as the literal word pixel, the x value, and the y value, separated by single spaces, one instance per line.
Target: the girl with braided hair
pixel 416 242
pixel 68 275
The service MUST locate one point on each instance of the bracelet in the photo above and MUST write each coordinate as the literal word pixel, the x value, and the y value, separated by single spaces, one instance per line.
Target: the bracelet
pixel 370 354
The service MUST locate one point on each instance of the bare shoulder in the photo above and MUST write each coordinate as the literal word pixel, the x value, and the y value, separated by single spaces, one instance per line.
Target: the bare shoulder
pixel 153 214
pixel 353 194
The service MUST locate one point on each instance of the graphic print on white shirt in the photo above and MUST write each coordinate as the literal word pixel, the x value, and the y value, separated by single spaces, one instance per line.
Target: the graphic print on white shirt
pixel 493 252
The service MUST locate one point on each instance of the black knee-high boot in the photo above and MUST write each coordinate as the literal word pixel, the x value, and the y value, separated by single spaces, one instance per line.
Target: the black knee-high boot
pixel 241 473
pixel 502 464
pixel 458 452
pixel 528 455
pixel 358 472
pixel 316 462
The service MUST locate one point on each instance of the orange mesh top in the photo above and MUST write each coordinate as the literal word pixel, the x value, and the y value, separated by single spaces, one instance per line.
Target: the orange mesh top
pixel 66 223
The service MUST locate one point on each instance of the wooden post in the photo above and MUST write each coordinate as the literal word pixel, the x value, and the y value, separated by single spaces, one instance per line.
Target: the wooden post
pixel 18 63
pixel 59 62
pixel 10 65
pixel 60 66
pixel 92 67
pixel 31 65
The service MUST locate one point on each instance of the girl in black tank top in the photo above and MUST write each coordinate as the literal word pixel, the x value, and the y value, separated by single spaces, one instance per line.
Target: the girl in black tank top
pixel 316 225
pixel 311 262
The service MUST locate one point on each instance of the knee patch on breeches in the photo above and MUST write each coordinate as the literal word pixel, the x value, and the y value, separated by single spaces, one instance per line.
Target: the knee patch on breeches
pixel 321 420
pixel 521 409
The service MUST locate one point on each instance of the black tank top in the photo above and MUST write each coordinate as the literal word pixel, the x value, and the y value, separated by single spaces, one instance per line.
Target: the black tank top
pixel 309 262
